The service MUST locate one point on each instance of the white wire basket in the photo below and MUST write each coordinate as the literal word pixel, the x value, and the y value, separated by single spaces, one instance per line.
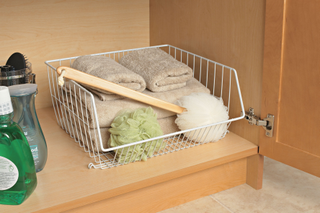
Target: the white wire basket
pixel 220 79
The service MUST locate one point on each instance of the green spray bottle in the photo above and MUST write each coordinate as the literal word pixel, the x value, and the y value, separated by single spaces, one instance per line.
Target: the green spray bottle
pixel 17 170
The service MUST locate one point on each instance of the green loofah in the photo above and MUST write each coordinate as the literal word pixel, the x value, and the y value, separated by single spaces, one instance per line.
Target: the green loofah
pixel 133 126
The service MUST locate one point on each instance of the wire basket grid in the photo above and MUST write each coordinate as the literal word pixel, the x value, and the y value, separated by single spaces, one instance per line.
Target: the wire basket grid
pixel 219 78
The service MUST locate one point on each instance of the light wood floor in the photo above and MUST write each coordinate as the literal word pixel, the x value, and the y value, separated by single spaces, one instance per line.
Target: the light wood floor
pixel 285 189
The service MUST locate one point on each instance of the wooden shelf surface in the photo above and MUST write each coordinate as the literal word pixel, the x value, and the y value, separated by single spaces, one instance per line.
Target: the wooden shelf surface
pixel 67 183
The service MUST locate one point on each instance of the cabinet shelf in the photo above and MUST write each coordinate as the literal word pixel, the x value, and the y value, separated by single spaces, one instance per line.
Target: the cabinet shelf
pixel 66 183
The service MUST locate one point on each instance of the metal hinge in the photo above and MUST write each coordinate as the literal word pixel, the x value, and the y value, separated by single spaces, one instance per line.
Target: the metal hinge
pixel 267 123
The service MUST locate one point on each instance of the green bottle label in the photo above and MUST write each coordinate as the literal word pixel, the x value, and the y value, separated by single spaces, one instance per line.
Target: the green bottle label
pixel 9 173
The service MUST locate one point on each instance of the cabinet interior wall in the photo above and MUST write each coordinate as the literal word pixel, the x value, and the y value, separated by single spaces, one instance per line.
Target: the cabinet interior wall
pixel 230 32
pixel 47 30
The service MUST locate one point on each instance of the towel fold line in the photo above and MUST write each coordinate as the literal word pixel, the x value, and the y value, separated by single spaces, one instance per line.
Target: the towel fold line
pixel 81 102
pixel 89 137
pixel 110 70
pixel 160 70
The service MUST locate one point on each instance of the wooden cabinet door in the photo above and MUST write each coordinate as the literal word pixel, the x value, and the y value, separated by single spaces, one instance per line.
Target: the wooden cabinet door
pixel 291 83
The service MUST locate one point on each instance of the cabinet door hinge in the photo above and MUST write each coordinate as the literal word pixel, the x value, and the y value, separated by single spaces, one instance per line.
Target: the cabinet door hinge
pixel 267 123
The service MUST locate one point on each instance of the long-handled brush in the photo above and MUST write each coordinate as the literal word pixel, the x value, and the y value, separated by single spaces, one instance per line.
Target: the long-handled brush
pixel 195 110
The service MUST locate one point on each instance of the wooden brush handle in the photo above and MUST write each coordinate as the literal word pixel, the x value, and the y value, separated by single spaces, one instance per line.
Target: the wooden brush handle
pixel 100 83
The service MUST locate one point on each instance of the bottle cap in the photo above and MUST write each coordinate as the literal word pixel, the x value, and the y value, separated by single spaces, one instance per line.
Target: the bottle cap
pixel 5 101
pixel 22 89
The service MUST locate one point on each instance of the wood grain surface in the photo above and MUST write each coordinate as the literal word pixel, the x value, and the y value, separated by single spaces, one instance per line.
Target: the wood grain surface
pixel 47 30
pixel 291 83
pixel 66 182
pixel 230 32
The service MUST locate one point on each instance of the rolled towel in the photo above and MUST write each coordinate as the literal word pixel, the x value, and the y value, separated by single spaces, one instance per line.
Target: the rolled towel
pixel 108 69
pixel 106 110
pixel 160 70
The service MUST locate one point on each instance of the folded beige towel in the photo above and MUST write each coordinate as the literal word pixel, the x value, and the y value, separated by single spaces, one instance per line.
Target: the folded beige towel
pixel 89 137
pixel 70 88
pixel 103 96
pixel 160 70
pixel 108 69
pixel 106 110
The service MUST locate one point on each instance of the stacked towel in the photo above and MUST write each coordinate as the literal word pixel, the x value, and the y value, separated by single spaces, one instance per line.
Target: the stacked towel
pixel 108 69
pixel 106 110
pixel 85 129
pixel 160 70
pixel 165 77
pixel 89 137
